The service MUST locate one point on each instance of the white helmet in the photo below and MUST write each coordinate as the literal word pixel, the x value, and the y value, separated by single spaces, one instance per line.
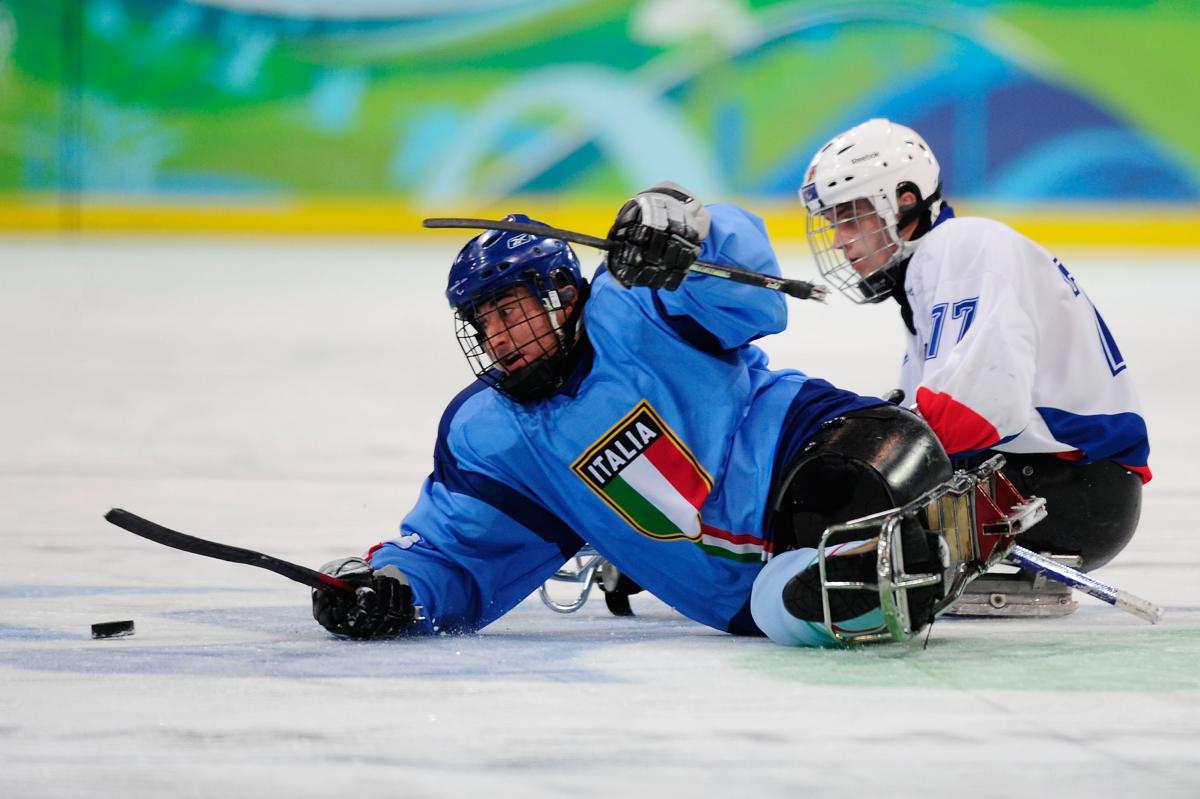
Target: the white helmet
pixel 874 162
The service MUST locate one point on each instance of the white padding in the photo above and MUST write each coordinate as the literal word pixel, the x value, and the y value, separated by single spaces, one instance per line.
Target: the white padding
pixel 766 602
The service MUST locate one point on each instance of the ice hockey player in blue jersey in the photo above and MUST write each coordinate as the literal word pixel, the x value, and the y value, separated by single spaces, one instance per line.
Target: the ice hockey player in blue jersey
pixel 1005 351
pixel 634 413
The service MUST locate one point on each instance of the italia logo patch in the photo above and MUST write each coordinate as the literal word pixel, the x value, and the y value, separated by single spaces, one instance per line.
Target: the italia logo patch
pixel 644 472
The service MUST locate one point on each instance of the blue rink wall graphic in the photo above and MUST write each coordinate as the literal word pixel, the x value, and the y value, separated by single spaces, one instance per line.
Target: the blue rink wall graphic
pixel 365 115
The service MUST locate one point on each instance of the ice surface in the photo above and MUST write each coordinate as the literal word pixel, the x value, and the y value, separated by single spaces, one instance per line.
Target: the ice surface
pixel 283 396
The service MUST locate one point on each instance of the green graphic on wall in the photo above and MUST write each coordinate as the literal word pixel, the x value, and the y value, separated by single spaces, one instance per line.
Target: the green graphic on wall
pixel 471 102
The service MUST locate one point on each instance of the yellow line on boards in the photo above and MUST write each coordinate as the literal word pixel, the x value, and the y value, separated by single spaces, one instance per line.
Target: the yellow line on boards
pixel 1145 226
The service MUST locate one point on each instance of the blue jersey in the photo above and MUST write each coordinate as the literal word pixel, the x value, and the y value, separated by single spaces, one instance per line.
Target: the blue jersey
pixel 661 450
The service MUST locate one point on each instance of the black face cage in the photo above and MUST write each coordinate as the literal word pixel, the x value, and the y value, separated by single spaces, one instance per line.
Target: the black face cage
pixel 545 344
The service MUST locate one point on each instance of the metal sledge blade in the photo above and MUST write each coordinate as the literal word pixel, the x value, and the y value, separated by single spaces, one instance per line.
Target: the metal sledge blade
pixel 581 570
pixel 800 289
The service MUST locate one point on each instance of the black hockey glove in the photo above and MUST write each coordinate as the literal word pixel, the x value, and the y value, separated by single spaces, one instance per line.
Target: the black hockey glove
pixel 659 232
pixel 380 607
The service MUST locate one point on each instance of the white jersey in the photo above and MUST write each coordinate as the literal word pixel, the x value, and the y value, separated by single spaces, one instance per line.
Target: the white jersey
pixel 1010 354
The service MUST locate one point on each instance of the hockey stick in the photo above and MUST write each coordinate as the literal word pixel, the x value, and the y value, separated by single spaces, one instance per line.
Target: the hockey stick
pixel 800 289
pixel 211 549
pixel 1124 600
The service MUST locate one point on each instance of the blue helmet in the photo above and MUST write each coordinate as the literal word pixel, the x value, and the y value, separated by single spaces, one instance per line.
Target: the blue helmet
pixel 498 262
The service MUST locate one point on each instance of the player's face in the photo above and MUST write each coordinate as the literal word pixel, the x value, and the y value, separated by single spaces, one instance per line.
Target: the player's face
pixel 860 234
pixel 516 329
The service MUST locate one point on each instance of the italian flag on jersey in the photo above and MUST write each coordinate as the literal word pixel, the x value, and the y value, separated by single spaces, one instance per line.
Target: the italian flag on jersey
pixel 644 472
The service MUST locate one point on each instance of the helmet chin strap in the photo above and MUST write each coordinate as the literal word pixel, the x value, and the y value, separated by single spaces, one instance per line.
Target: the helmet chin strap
pixel 555 301
pixel 918 212
pixel 552 303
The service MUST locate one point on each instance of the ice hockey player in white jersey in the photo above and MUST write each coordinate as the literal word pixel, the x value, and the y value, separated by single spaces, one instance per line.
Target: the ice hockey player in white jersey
pixel 1005 351
pixel 634 413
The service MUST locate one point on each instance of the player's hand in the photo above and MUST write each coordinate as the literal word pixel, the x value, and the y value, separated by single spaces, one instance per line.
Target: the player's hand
pixel 381 605
pixel 659 233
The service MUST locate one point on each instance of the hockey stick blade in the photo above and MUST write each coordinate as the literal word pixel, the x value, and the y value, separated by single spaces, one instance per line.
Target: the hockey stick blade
pixel 211 549
pixel 1124 600
pixel 800 289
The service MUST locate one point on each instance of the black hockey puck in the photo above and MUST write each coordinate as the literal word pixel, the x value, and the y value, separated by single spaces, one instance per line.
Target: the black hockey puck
pixel 112 629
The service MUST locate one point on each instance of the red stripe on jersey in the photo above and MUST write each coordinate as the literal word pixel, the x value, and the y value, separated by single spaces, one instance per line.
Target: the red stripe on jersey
pixel 725 535
pixel 373 550
pixel 678 470
pixel 959 428
pixel 1141 471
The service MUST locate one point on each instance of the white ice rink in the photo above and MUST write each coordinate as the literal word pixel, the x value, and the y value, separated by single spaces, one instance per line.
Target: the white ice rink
pixel 283 396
